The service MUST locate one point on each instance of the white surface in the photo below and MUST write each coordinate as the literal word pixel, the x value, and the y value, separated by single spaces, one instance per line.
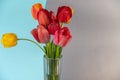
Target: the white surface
pixel 94 52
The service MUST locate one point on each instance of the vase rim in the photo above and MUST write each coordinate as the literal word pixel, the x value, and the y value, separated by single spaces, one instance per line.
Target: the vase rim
pixel 53 58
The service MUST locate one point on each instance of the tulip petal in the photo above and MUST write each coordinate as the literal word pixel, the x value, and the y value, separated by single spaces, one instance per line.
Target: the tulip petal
pixel 43 17
pixel 56 37
pixel 35 9
pixel 53 27
pixel 34 32
pixel 43 34
pixel 52 16
pixel 9 40
pixel 65 40
pixel 62 37
pixel 64 14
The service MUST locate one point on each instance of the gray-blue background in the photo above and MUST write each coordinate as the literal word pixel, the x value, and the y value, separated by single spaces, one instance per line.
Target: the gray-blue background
pixel 93 53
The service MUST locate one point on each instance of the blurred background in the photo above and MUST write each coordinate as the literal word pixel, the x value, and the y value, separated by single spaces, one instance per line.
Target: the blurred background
pixel 24 61
pixel 94 51
pixel 92 54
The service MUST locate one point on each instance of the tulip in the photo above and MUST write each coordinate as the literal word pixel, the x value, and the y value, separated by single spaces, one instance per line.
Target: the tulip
pixel 41 34
pixel 9 40
pixel 53 27
pixel 43 17
pixel 62 37
pixel 52 16
pixel 34 32
pixel 35 9
pixel 64 14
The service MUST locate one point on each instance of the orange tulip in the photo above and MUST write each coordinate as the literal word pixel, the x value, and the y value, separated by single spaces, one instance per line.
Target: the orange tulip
pixel 35 9
pixel 43 17
pixel 64 14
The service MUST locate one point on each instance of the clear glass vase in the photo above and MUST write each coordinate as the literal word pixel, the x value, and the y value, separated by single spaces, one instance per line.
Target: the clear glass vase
pixel 52 68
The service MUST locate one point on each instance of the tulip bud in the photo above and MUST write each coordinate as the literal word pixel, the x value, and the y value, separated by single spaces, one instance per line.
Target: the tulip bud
pixel 9 40
pixel 64 14
pixel 35 9
pixel 62 37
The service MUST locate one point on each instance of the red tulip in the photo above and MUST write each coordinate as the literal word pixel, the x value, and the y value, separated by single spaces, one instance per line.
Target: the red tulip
pixel 43 17
pixel 34 32
pixel 52 16
pixel 62 37
pixel 35 9
pixel 53 27
pixel 64 14
pixel 41 34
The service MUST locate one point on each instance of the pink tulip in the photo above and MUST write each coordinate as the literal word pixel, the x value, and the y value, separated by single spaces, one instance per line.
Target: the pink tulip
pixel 43 17
pixel 41 34
pixel 62 37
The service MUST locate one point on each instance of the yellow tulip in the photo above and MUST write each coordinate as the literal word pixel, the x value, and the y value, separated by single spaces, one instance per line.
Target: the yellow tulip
pixel 9 40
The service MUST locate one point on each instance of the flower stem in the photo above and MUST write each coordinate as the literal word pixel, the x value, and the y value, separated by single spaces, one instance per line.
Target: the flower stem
pixel 62 24
pixel 32 42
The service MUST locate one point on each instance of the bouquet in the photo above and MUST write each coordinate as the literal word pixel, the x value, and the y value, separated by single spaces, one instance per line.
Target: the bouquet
pixel 49 31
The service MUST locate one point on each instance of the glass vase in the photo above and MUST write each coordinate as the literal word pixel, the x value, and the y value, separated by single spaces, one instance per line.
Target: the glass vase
pixel 52 68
